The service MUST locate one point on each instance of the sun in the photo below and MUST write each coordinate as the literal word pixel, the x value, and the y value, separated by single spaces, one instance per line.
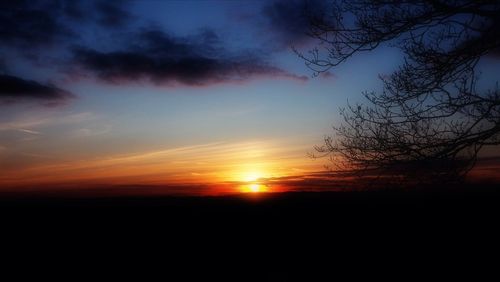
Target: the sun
pixel 254 188
pixel 252 181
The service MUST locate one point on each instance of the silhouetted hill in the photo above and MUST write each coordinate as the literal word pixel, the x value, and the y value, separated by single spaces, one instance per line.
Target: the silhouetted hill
pixel 267 237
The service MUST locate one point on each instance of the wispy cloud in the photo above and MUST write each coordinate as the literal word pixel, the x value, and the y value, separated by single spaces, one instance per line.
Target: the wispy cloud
pixel 15 132
pixel 31 123
pixel 90 132
pixel 211 162
pixel 29 131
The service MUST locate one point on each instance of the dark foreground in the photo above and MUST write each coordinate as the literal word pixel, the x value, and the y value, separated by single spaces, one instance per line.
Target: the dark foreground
pixel 272 237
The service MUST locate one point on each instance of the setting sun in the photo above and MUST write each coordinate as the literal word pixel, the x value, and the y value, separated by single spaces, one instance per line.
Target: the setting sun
pixel 254 188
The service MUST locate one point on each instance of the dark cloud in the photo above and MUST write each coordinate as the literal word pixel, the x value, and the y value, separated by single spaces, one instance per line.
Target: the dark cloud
pixel 103 12
pixel 147 54
pixel 3 65
pixel 14 89
pixel 290 19
pixel 32 24
pixel 112 13
pixel 74 10
pixel 163 59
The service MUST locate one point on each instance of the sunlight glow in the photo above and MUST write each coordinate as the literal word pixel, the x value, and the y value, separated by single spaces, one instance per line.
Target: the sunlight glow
pixel 252 176
pixel 254 188
pixel 250 179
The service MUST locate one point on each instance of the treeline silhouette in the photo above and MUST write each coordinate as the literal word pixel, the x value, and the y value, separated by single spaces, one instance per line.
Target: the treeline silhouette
pixel 431 119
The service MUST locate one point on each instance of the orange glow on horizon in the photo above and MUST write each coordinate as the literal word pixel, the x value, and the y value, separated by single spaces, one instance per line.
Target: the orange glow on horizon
pixel 252 175
pixel 254 188
pixel 244 163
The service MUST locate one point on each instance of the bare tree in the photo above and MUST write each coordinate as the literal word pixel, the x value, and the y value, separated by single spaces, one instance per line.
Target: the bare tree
pixel 432 118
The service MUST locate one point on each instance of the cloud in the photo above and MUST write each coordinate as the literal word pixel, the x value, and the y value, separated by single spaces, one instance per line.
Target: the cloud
pixel 85 132
pixel 14 89
pixel 33 24
pixel 163 59
pixel 47 119
pixel 3 65
pixel 290 19
pixel 112 13
pixel 30 131
pixel 30 24
pixel 147 54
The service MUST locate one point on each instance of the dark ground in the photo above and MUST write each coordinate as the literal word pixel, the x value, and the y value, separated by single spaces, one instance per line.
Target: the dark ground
pixel 275 237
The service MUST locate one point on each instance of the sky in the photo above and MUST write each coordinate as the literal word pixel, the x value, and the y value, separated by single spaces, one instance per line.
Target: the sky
pixel 168 92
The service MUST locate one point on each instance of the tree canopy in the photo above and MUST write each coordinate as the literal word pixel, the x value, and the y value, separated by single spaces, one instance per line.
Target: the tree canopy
pixel 431 119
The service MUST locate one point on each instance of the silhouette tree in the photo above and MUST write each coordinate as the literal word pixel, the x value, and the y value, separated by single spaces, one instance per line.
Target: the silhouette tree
pixel 432 118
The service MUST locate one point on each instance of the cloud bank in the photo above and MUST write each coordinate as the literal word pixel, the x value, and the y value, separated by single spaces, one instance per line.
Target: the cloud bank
pixel 149 55
pixel 33 24
pixel 290 19
pixel 15 89
pixel 164 59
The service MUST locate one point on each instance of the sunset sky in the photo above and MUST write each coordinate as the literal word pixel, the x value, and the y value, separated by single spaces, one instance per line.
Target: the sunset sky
pixel 169 92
